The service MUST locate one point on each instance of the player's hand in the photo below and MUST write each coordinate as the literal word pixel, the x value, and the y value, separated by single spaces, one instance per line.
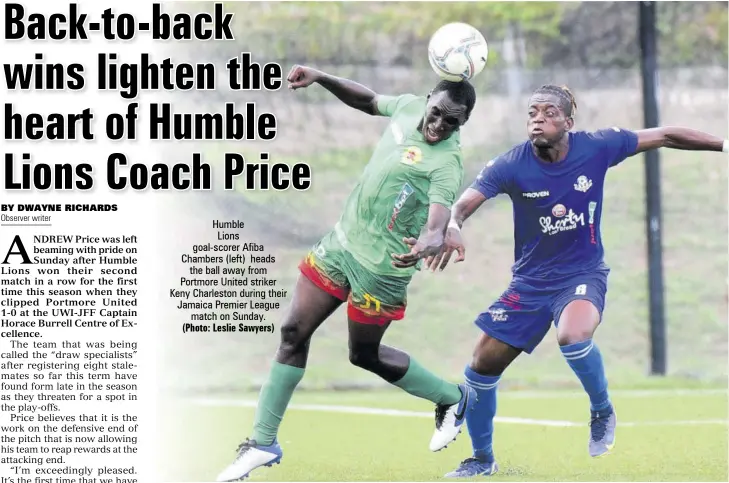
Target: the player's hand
pixel 301 76
pixel 418 249
pixel 453 243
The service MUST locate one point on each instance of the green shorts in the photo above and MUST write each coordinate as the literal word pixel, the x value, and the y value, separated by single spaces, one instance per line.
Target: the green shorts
pixel 371 298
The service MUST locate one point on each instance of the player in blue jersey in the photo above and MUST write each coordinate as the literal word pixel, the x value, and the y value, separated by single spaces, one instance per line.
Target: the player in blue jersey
pixel 555 181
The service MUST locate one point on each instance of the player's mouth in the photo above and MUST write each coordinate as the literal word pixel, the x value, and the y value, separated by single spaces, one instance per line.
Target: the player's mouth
pixel 430 135
pixel 537 132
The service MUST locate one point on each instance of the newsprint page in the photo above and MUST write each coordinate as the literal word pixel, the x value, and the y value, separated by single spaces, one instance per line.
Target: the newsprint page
pixel 363 241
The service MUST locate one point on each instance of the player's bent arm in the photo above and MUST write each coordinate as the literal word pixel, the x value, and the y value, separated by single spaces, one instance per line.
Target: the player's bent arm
pixel 679 138
pixel 438 217
pixel 467 204
pixel 430 241
pixel 351 93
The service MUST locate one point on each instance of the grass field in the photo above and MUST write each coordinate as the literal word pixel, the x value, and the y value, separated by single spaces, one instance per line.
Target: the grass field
pixel 663 435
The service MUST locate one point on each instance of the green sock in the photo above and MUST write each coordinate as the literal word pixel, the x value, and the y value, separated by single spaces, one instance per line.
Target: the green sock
pixel 420 382
pixel 273 400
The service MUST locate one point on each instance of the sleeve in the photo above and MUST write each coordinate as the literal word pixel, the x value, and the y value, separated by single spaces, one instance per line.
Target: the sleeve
pixel 617 143
pixel 494 179
pixel 445 182
pixel 389 105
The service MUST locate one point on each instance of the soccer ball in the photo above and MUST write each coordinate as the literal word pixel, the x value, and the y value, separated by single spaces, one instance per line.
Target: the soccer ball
pixel 457 51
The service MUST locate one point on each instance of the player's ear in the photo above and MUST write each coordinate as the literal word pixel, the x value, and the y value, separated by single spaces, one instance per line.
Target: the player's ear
pixel 429 94
pixel 570 123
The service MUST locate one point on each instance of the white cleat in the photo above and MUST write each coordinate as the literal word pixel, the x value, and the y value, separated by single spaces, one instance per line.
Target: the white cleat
pixel 251 455
pixel 449 419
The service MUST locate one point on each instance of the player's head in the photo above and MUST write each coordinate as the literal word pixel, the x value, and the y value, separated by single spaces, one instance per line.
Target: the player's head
pixel 449 106
pixel 551 114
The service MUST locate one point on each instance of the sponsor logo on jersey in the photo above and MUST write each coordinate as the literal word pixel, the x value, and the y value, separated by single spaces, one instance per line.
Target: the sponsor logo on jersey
pixel 583 184
pixel 591 212
pixel 591 221
pixel 412 155
pixel 569 222
pixel 536 194
pixel 498 315
pixel 405 193
pixel 559 210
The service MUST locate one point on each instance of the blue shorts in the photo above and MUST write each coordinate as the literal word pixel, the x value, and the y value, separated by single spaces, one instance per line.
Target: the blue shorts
pixel 521 317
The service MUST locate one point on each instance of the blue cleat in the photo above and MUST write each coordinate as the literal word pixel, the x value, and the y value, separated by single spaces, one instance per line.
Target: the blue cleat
pixel 471 467
pixel 602 431
pixel 449 419
pixel 251 455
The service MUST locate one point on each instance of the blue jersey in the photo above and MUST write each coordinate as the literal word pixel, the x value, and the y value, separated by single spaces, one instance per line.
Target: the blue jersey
pixel 557 207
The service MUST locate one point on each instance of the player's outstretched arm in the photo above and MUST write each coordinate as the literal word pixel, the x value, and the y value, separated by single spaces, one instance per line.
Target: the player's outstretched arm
pixel 467 204
pixel 679 138
pixel 349 92
pixel 429 243
pixel 470 201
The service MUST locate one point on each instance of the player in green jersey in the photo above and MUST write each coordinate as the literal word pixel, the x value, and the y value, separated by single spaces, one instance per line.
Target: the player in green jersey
pixel 408 187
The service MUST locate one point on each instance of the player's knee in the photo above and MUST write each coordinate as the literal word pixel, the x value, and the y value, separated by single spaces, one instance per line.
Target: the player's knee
pixel 486 366
pixel 364 357
pixel 491 357
pixel 487 363
pixel 293 340
pixel 573 335
pixel 577 322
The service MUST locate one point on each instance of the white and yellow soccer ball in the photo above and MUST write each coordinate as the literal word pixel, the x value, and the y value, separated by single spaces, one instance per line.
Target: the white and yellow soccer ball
pixel 457 51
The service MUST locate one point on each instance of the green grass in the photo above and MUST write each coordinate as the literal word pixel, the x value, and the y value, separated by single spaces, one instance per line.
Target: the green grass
pixel 324 446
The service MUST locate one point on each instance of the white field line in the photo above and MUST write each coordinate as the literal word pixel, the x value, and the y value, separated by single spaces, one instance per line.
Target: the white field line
pixel 429 415
pixel 624 393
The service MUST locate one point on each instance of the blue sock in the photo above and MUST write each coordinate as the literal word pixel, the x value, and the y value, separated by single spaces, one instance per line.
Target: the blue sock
pixel 585 360
pixel 480 420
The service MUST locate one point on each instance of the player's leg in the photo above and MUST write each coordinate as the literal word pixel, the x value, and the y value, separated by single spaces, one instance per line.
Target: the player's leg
pixel 374 302
pixel 319 291
pixel 400 369
pixel 575 329
pixel 491 357
pixel 578 312
pixel 395 366
pixel 310 307
pixel 516 323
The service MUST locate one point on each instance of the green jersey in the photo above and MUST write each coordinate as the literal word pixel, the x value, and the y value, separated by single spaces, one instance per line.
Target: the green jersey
pixel 402 178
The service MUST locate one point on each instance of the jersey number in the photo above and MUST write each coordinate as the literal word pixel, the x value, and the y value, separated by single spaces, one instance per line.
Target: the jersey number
pixel 581 290
pixel 369 301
